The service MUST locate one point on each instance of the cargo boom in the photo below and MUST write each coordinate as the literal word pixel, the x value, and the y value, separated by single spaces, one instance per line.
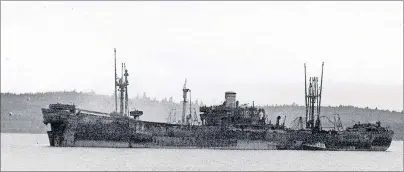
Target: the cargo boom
pixel 226 126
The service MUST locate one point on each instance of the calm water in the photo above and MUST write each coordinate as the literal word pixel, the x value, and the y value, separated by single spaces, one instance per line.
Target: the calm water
pixel 32 152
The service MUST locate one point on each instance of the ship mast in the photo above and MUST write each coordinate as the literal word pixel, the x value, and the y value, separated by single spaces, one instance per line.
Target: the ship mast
pixel 184 103
pixel 195 120
pixel 305 93
pixel 126 90
pixel 318 123
pixel 116 100
pixel 122 88
pixel 190 107
pixel 313 101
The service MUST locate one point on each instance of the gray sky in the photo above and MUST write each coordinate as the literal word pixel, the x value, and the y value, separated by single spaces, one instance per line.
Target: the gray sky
pixel 256 49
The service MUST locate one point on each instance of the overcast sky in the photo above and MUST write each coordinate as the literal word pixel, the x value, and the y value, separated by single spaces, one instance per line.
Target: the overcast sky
pixel 256 49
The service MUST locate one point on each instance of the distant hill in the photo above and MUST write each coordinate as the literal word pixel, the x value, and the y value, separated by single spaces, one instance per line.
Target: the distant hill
pixel 27 118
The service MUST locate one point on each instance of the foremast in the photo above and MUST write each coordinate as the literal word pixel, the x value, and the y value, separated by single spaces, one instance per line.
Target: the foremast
pixel 121 85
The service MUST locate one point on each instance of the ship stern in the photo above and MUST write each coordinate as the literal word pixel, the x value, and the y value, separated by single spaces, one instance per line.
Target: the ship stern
pixel 382 141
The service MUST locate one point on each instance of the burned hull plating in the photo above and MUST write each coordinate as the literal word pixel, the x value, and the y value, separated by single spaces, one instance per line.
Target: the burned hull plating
pixel 73 129
pixel 226 126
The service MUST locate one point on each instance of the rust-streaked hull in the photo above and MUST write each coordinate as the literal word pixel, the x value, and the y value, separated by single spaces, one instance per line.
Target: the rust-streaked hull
pixel 86 130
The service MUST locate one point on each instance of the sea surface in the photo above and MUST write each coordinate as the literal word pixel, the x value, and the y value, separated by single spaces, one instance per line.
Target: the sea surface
pixel 32 152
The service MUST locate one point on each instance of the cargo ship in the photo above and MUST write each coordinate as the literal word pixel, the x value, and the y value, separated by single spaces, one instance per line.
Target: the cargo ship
pixel 225 126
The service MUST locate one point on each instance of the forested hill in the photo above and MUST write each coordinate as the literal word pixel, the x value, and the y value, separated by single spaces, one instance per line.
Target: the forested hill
pixel 27 118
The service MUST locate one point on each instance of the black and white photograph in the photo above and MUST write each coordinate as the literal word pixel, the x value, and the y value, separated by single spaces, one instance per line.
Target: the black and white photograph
pixel 202 86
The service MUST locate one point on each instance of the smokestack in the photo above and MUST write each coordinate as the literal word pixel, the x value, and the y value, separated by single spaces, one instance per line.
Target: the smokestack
pixel 230 98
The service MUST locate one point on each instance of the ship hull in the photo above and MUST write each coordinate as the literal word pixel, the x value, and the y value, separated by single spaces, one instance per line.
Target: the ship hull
pixel 85 130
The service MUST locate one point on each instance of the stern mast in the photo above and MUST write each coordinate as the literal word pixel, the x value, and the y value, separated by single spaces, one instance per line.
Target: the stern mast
pixel 319 97
pixel 313 100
